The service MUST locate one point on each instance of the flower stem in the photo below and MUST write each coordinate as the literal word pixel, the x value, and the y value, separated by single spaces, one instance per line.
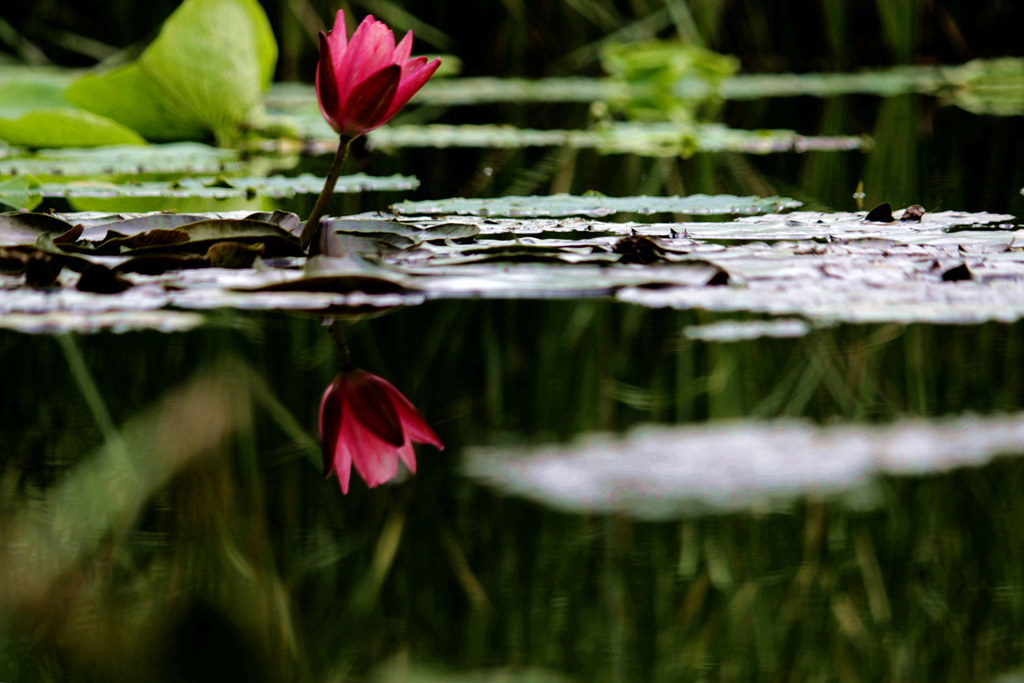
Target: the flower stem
pixel 339 341
pixel 309 229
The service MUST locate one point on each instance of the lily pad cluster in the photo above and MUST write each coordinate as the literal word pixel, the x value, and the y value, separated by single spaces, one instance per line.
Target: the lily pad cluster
pixel 820 268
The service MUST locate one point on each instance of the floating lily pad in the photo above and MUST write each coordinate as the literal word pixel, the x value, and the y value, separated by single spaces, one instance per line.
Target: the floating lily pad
pixel 658 472
pixel 223 188
pixel 182 157
pixel 68 127
pixel 570 205
pixel 20 192
pixel 643 138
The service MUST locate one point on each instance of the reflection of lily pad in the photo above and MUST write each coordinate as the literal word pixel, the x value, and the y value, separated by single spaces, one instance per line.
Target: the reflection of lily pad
pixel 659 472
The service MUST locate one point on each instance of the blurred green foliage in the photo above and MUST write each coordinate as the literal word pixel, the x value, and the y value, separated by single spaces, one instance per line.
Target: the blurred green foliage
pixel 524 38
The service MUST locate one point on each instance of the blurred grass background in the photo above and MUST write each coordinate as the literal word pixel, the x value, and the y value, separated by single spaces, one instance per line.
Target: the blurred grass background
pixel 523 38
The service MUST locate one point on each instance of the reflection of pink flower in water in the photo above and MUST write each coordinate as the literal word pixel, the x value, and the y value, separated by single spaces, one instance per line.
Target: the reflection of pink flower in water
pixel 366 422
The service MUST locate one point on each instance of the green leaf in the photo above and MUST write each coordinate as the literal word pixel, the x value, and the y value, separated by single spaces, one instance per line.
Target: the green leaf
pixel 206 71
pixel 225 188
pixel 20 192
pixel 569 205
pixel 114 160
pixel 66 128
pixel 130 96
pixel 18 98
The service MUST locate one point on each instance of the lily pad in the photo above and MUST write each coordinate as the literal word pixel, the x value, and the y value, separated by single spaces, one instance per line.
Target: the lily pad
pixel 68 127
pixel 20 192
pixel 657 139
pixel 570 205
pixel 182 157
pixel 224 188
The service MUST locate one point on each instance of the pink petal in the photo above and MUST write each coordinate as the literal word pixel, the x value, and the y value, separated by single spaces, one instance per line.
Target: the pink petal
pixel 415 427
pixel 413 77
pixel 369 51
pixel 367 105
pixel 338 37
pixel 369 399
pixel 408 456
pixel 327 94
pixel 336 454
pixel 331 407
pixel 404 49
pixel 375 460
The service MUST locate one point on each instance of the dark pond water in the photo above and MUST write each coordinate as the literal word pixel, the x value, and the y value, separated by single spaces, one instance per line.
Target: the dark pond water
pixel 164 517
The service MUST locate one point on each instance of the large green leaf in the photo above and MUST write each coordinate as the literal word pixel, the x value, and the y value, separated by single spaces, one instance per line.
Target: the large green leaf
pixel 35 114
pixel 66 128
pixel 206 71
pixel 150 111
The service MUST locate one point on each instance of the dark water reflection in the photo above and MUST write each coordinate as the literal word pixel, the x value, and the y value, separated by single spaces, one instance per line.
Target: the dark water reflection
pixel 174 525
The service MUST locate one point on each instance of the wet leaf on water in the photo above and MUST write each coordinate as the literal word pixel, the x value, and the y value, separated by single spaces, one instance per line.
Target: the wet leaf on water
pixel 99 279
pixel 656 139
pixel 23 228
pixel 20 192
pixel 880 214
pixel 219 187
pixel 413 233
pixel 570 205
pixel 913 214
pixel 958 273
pixel 234 254
pixel 822 267
pixel 180 157
pixel 664 472
pixel 157 264
pixel 137 225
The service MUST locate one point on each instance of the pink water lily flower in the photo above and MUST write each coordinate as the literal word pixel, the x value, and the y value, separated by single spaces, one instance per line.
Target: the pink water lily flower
pixel 361 83
pixel 366 422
